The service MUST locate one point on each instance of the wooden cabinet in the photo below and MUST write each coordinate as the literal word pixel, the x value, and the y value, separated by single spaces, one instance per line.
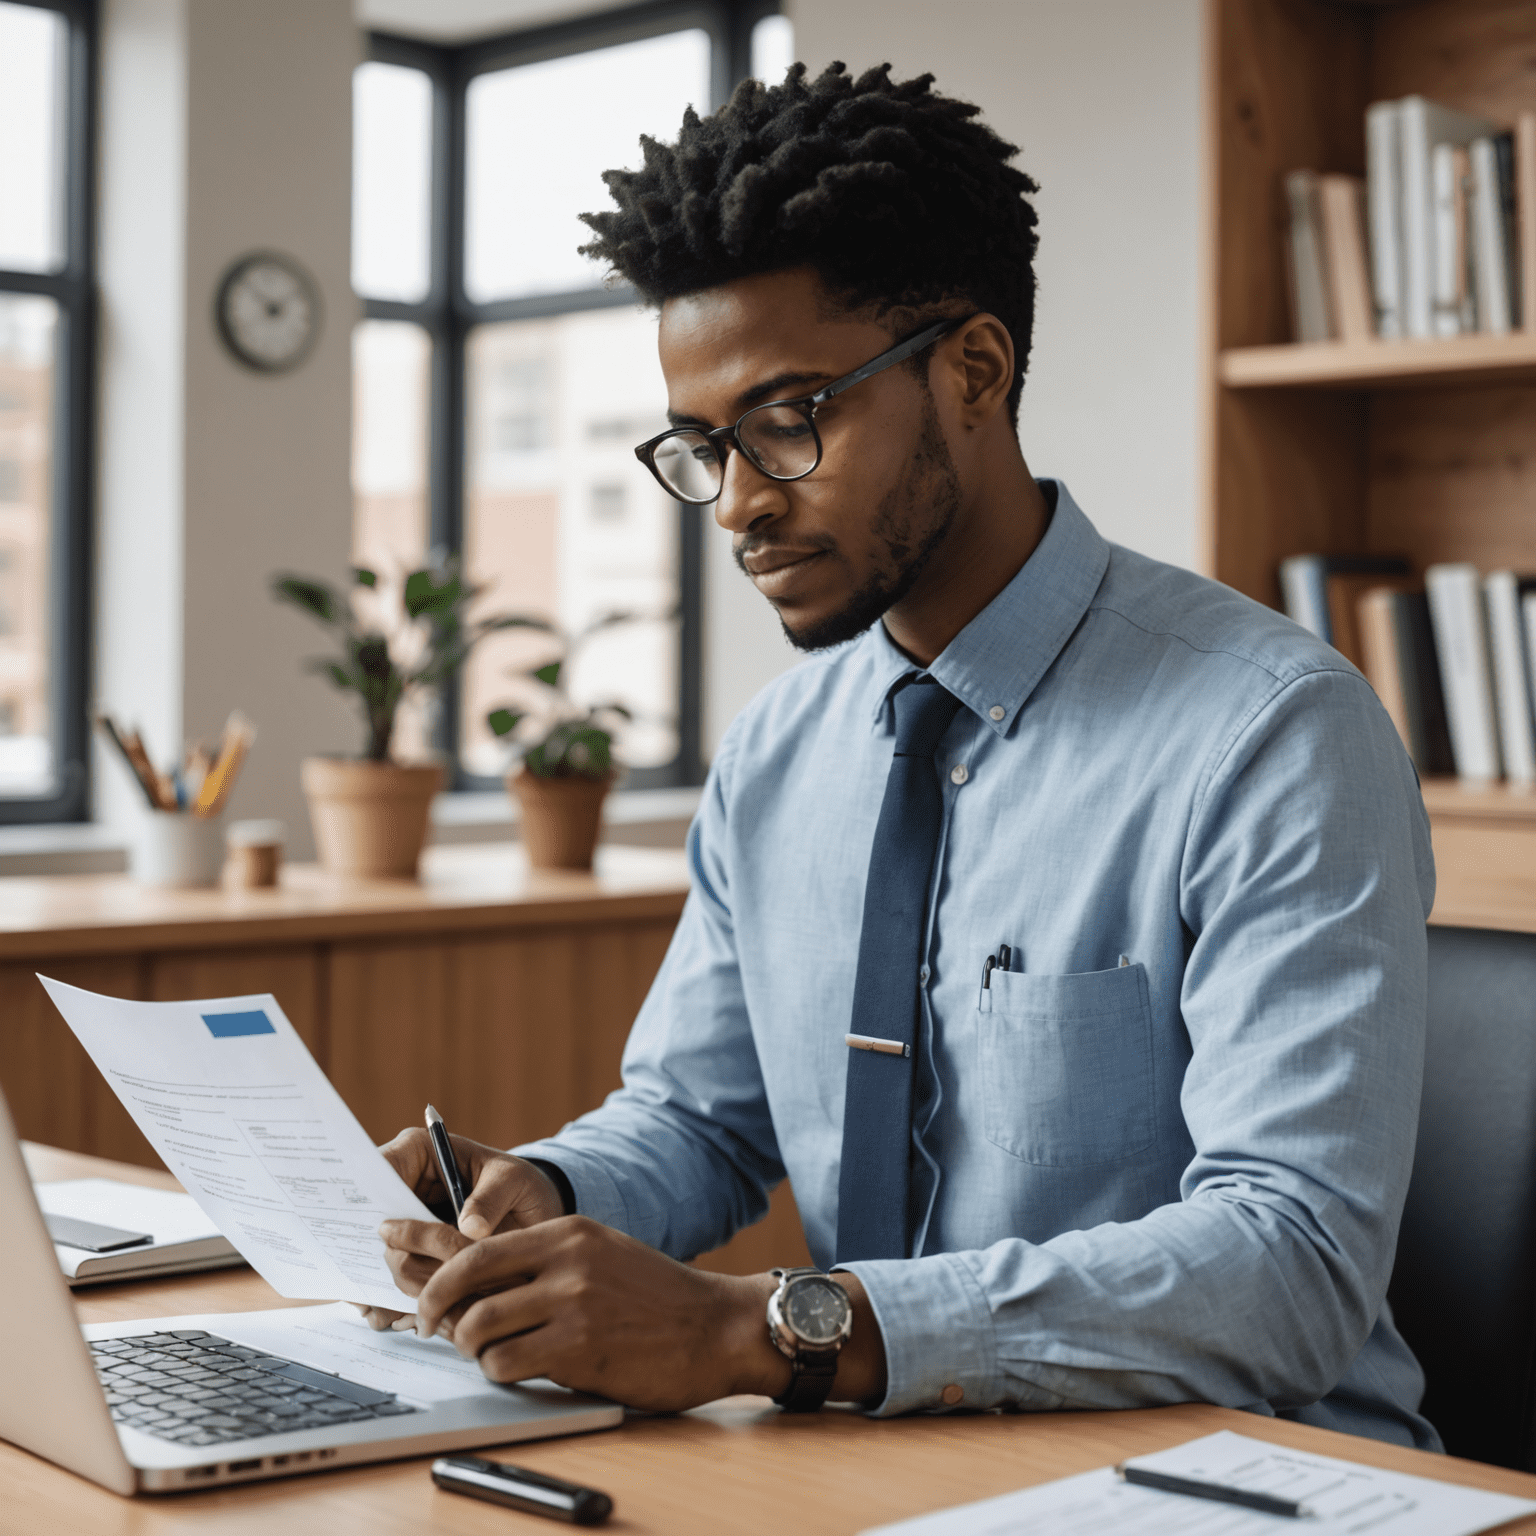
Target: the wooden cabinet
pixel 1426 448
pixel 503 996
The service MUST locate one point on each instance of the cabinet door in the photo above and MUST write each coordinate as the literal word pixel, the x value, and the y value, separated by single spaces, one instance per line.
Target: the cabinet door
pixel 290 973
pixel 55 1093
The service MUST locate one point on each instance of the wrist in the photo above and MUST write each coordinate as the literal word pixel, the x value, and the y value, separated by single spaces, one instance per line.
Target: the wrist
pixel 755 1366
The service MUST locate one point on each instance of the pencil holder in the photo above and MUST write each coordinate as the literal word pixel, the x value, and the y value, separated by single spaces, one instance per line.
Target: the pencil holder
pixel 176 849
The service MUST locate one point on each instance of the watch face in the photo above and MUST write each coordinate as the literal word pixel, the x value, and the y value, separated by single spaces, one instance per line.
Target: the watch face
pixel 268 312
pixel 816 1309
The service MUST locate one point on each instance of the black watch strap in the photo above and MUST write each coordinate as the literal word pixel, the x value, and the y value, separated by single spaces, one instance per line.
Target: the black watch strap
pixel 814 1371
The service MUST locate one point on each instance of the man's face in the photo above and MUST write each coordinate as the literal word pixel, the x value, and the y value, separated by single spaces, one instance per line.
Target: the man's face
pixel 834 551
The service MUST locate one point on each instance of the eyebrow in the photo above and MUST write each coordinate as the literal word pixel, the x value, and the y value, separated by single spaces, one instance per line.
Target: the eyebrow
pixel 767 390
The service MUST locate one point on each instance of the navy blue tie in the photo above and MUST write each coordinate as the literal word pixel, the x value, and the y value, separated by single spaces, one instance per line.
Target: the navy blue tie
pixel 873 1183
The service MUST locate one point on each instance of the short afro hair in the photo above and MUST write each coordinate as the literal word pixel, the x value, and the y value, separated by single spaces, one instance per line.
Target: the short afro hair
pixel 895 195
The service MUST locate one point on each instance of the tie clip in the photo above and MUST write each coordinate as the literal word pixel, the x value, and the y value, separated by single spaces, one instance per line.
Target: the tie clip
pixel 875 1043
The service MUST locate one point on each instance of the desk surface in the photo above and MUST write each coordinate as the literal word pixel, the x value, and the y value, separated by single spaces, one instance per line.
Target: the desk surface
pixel 460 888
pixel 736 1465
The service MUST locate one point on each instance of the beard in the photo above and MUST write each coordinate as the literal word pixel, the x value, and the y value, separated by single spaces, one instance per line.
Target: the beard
pixel 908 541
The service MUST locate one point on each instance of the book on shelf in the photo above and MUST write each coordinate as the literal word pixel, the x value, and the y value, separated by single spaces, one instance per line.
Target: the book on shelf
pixel 1322 593
pixel 1457 614
pixel 1504 593
pixel 1439 240
pixel 1398 647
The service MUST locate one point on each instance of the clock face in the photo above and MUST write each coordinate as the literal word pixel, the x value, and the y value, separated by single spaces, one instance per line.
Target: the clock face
pixel 268 312
pixel 816 1309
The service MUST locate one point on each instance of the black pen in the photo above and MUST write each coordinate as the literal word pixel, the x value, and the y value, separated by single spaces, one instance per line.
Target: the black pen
pixel 1265 1503
pixel 447 1167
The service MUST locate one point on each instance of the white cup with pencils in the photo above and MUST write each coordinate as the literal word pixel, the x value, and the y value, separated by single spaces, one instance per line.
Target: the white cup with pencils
pixel 181 841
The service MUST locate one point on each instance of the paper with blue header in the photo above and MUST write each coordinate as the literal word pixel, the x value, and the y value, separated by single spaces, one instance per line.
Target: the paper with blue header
pixel 229 1096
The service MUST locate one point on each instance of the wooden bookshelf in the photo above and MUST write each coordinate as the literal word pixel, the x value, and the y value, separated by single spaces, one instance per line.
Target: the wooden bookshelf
pixel 1423 448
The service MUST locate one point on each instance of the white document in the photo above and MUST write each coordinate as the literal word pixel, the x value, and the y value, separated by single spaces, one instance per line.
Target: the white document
pixel 237 1108
pixel 1347 1499
pixel 336 1339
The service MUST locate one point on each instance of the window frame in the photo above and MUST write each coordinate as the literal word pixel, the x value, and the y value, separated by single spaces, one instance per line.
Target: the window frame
pixel 72 287
pixel 449 316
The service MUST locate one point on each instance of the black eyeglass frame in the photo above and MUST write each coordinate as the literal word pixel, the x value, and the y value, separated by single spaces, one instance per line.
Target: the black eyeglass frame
pixel 721 439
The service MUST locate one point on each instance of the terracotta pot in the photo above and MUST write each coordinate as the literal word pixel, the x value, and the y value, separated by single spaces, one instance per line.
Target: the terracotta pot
pixel 370 819
pixel 561 818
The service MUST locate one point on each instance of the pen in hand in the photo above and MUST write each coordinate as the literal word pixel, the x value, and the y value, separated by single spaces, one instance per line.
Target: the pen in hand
pixel 447 1166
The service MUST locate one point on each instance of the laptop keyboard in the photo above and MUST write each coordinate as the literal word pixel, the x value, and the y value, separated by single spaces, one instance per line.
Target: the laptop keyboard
pixel 198 1389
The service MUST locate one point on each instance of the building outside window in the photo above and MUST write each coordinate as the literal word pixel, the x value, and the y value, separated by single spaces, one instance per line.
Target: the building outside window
pixel 500 387
pixel 46 60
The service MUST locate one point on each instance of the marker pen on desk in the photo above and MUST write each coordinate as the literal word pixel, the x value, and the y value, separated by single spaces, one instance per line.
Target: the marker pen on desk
pixel 447 1166
pixel 1265 1503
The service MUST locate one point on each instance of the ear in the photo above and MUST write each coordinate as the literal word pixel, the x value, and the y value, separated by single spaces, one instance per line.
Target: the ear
pixel 979 357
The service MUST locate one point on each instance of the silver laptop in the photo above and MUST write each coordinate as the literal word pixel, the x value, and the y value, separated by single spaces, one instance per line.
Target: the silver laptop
pixel 190 1402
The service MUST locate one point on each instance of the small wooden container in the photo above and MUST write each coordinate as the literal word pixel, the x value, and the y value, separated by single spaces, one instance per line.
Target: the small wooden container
pixel 255 854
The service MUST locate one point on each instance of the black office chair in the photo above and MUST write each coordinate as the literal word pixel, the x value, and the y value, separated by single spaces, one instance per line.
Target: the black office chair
pixel 1464 1287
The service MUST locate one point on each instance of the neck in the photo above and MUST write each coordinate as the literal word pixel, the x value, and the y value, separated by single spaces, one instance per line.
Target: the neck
pixel 995 532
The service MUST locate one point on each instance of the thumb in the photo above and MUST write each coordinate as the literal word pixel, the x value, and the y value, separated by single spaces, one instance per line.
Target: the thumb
pixel 504 1187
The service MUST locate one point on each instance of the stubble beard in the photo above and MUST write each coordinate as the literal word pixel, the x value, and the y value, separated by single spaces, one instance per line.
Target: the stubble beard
pixel 930 483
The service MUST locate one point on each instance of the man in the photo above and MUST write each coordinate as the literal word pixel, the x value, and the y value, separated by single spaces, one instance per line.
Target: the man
pixel 1058 927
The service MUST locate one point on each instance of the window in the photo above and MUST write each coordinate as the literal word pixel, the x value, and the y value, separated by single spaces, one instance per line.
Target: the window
pixel 500 388
pixel 46 105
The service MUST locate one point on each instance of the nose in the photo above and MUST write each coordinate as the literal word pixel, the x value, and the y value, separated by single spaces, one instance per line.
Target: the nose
pixel 748 500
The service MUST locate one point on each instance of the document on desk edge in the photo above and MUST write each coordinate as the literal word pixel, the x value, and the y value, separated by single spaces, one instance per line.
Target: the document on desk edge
pixel 1347 1498
pixel 241 1113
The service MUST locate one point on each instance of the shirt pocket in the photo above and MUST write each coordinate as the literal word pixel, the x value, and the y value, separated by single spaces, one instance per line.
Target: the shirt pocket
pixel 1066 1066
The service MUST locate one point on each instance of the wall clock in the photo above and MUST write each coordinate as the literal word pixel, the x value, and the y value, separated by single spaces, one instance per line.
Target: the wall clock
pixel 268 311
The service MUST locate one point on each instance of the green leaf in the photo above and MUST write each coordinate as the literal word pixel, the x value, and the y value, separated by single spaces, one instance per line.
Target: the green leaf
pixel 364 577
pixel 317 599
pixel 425 594
pixel 503 721
pixel 549 675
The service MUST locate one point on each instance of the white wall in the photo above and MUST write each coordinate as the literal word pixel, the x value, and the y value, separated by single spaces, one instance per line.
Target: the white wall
pixel 1104 99
pixel 226 128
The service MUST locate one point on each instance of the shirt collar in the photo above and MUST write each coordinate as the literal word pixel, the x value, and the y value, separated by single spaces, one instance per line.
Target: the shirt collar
pixel 996 660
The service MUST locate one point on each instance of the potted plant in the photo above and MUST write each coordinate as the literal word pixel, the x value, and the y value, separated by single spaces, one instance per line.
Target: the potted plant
pixel 563 765
pixel 398 638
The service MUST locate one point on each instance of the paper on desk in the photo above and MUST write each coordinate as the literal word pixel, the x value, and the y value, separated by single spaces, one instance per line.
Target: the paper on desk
pixel 336 1339
pixel 1348 1500
pixel 231 1099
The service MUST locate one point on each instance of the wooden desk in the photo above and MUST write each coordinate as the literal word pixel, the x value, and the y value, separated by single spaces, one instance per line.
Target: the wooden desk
pixel 504 995
pixel 737 1465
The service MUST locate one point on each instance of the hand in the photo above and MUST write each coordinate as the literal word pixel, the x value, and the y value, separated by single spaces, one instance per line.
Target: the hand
pixel 600 1312
pixel 505 1194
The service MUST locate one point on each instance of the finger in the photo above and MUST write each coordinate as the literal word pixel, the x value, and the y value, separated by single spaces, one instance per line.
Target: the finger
pixel 525 1356
pixel 431 1239
pixel 487 1320
pixel 503 1186
pixel 411 1271
pixel 410 1155
pixel 495 1264
pixel 378 1318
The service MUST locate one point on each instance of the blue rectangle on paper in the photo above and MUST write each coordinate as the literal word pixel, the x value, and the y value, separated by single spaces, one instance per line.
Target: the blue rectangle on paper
pixel 224 1026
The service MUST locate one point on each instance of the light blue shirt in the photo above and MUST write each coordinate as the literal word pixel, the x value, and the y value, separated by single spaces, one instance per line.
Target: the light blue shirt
pixel 1169 1177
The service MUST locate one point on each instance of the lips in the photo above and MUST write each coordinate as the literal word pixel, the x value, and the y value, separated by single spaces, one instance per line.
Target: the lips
pixel 764 561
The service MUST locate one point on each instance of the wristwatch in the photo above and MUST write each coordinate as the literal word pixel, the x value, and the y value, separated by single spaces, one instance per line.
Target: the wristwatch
pixel 809 1320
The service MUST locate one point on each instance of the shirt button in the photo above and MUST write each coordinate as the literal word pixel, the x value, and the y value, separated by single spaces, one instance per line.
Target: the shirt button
pixel 952 1394
pixel 959 774
pixel 922 975
pixel 997 712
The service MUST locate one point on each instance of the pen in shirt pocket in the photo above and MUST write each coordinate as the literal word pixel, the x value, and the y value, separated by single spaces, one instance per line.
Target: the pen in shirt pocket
pixel 1001 961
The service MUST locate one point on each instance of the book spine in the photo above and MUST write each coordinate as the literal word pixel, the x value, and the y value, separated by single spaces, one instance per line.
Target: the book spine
pixel 1423 692
pixel 1525 206
pixel 1449 224
pixel 1507 643
pixel 1509 224
pixel 1381 662
pixel 1303 585
pixel 1341 203
pixel 1309 280
pixel 1384 214
pixel 1490 280
pixel 1418 216
pixel 1461 639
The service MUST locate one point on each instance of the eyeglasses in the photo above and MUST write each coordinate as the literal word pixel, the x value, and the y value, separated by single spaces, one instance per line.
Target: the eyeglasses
pixel 779 438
